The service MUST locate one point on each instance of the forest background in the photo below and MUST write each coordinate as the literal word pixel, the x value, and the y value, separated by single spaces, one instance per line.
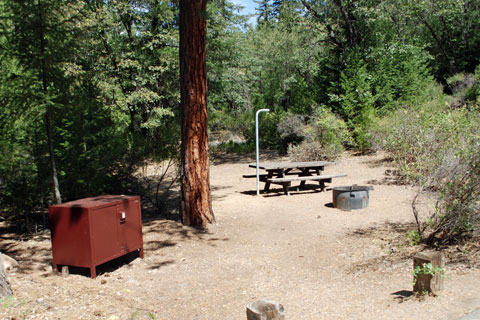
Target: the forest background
pixel 89 93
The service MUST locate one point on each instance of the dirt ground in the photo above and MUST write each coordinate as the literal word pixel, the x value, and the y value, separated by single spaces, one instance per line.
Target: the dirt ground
pixel 318 261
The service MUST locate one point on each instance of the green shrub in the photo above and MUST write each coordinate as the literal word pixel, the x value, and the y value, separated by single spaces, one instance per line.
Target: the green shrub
pixel 267 127
pixel 329 129
pixel 322 137
pixel 413 237
pixel 427 269
pixel 377 82
pixel 436 147
pixel 464 89
pixel 312 151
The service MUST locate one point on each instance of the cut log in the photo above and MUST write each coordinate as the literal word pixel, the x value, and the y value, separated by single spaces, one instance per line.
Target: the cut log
pixel 425 281
pixel 265 309
pixel 5 289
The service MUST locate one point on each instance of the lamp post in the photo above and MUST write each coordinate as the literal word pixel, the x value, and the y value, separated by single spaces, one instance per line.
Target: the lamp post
pixel 256 145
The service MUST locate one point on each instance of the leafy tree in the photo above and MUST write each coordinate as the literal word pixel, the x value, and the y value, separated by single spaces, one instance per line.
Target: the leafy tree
pixel 450 31
pixel 265 11
pixel 41 45
pixel 127 89
pixel 90 88
pixel 227 65
pixel 108 74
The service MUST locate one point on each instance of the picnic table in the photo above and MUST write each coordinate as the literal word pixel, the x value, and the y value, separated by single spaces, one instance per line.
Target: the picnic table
pixel 284 173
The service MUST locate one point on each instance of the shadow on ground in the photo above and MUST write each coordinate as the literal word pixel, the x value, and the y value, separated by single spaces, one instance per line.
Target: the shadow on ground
pixel 107 267
pixel 221 157
pixel 293 191
pixel 392 178
pixel 383 161
pixel 30 250
pixel 216 197
pixel 392 243
pixel 402 295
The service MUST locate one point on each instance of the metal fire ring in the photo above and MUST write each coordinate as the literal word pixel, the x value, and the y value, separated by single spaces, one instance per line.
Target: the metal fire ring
pixel 351 197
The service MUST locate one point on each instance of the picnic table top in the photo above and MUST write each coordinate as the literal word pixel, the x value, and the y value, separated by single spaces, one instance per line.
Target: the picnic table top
pixel 291 165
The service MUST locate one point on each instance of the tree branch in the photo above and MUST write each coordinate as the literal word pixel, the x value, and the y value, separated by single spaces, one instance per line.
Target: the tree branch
pixel 330 33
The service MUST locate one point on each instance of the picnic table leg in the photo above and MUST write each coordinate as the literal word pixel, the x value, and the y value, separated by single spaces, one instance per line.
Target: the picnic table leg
pixel 267 183
pixel 305 173
pixel 302 184
pixel 285 187
pixel 277 173
pixel 322 185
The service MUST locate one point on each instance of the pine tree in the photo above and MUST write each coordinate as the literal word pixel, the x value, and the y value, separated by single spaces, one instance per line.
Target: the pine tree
pixel 196 206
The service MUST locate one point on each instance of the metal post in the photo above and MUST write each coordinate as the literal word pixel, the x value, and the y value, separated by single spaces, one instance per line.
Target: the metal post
pixel 256 145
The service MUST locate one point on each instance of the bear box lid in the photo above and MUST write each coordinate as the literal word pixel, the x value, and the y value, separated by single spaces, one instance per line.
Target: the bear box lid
pixel 96 202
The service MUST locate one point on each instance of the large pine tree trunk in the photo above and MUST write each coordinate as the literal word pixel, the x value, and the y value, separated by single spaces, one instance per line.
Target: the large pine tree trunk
pixel 5 290
pixel 196 208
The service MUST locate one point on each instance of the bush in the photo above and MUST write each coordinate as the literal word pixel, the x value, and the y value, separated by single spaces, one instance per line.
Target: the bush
pixel 464 88
pixel 268 130
pixel 457 213
pixel 322 137
pixel 376 82
pixel 311 151
pixel 436 147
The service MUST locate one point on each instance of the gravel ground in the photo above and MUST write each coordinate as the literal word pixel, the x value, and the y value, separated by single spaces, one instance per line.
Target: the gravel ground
pixel 318 261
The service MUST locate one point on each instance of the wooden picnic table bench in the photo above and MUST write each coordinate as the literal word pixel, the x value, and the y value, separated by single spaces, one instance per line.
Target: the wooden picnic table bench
pixel 277 173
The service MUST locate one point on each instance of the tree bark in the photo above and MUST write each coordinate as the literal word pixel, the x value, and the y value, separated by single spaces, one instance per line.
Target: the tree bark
pixel 350 29
pixel 5 290
pixel 331 34
pixel 56 184
pixel 196 208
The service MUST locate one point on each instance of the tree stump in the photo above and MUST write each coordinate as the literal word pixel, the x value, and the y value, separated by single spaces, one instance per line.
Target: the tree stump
pixel 5 289
pixel 428 279
pixel 265 309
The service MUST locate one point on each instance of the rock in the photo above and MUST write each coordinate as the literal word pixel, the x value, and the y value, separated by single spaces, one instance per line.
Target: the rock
pixel 265 309
pixel 5 289
pixel 9 263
